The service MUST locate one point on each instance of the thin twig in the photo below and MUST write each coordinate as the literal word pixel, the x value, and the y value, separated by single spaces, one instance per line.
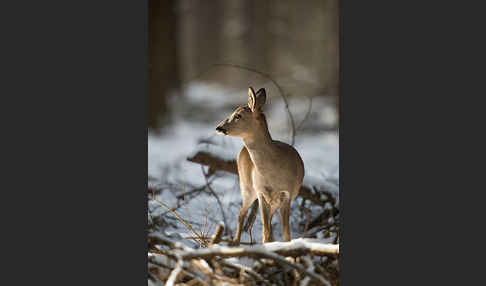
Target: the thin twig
pixel 246 269
pixel 306 114
pixel 310 266
pixel 222 240
pixel 307 221
pixel 203 242
pixel 185 271
pixel 208 185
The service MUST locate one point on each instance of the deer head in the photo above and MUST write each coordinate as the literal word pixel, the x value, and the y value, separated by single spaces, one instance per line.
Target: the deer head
pixel 248 120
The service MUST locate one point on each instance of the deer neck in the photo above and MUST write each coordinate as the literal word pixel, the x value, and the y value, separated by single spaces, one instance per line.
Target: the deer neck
pixel 261 149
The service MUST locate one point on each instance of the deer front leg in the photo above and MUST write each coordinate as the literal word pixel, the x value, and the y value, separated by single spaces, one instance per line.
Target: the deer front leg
pixel 248 198
pixel 266 216
pixel 284 219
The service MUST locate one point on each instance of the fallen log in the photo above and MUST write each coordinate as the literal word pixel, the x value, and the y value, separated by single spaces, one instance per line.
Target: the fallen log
pixel 214 163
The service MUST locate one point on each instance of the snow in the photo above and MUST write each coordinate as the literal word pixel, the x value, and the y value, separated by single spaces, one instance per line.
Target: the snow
pixel 194 115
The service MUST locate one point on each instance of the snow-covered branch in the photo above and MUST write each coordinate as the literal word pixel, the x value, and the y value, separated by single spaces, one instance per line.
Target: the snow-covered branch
pixel 215 257
pixel 272 251
pixel 294 248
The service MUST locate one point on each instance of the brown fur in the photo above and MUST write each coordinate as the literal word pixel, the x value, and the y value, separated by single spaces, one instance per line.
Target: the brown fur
pixel 269 170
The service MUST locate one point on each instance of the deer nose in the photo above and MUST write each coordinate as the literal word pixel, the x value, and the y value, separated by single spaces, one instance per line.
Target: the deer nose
pixel 220 129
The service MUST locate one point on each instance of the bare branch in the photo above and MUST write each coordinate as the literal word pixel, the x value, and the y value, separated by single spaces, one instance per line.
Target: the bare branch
pixel 222 240
pixel 216 238
pixel 180 219
pixel 185 271
pixel 306 114
pixel 267 251
pixel 251 217
pixel 157 238
pixel 307 221
pixel 175 272
pixel 208 185
pixel 250 271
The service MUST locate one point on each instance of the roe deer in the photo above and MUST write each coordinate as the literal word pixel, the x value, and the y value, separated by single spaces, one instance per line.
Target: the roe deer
pixel 269 170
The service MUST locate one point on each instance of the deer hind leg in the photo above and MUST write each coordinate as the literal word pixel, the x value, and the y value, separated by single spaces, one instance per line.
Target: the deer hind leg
pixel 284 219
pixel 266 216
pixel 248 198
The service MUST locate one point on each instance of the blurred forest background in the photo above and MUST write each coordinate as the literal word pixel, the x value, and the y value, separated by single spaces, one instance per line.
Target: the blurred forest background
pixel 296 42
pixel 203 56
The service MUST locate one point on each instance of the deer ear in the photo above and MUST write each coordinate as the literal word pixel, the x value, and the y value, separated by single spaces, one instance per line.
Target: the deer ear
pixel 261 97
pixel 251 99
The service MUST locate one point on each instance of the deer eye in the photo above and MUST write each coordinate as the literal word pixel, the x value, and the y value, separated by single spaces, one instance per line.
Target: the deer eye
pixel 237 116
